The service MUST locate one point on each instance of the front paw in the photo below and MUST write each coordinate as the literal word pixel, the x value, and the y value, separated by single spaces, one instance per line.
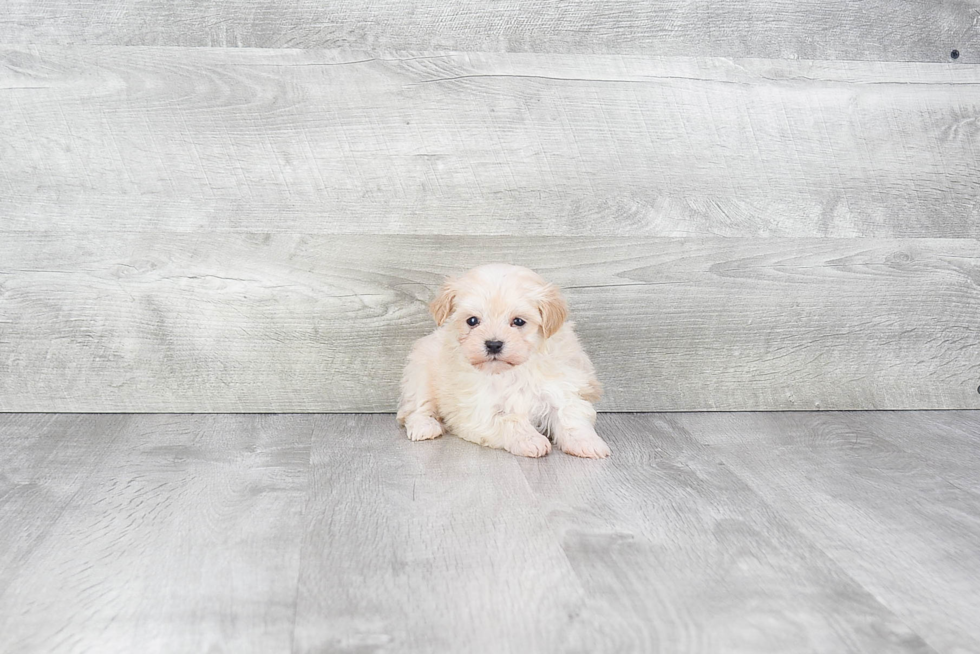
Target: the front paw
pixel 534 445
pixel 422 428
pixel 585 444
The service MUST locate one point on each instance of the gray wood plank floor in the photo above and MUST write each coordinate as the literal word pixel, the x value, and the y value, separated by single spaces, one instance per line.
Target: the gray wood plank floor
pixel 721 532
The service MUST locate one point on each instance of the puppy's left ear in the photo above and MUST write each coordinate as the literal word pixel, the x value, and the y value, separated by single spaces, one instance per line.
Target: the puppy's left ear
pixel 553 309
pixel 442 306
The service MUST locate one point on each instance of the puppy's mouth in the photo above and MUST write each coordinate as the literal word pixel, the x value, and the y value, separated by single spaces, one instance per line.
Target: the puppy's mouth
pixel 495 363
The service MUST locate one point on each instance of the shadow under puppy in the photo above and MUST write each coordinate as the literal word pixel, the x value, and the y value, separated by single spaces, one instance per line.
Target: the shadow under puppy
pixel 503 368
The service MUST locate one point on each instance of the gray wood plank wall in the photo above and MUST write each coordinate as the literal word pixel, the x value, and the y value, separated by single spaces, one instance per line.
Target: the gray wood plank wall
pixel 753 207
pixel 127 139
pixel 886 30
pixel 253 322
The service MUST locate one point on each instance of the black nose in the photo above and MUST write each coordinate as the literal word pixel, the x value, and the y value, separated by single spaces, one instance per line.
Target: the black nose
pixel 494 347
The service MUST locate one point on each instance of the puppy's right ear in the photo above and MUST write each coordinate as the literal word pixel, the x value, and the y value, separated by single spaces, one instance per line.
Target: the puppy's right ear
pixel 442 306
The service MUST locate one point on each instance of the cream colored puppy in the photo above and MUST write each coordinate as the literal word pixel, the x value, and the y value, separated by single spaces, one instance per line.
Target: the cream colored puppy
pixel 502 368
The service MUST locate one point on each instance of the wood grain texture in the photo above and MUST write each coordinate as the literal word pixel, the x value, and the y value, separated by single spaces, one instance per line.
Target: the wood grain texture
pixel 43 468
pixel 115 138
pixel 887 516
pixel 426 549
pixel 676 553
pixel 262 322
pixel 950 441
pixel 804 532
pixel 924 30
pixel 150 533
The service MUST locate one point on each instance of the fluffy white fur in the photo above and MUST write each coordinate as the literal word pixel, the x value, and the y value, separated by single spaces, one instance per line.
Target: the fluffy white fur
pixel 540 382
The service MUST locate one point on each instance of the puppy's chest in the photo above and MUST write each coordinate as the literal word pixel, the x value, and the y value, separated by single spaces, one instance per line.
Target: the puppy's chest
pixel 517 393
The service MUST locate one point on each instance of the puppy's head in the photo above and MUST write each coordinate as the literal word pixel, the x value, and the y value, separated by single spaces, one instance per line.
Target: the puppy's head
pixel 500 314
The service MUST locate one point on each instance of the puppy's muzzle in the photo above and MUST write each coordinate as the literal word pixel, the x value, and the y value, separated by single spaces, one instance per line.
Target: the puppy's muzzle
pixel 494 347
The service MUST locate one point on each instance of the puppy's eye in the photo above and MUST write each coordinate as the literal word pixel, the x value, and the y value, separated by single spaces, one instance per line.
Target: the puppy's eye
pixel 472 321
pixel 519 322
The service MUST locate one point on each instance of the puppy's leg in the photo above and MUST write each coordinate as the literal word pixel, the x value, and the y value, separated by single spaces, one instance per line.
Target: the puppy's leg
pixel 422 427
pixel 520 437
pixel 573 429
pixel 513 433
pixel 417 409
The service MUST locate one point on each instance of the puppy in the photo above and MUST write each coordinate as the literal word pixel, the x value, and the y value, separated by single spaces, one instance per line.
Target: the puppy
pixel 503 368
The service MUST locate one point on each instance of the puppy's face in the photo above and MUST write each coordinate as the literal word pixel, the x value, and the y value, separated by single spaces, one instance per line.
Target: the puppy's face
pixel 500 314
